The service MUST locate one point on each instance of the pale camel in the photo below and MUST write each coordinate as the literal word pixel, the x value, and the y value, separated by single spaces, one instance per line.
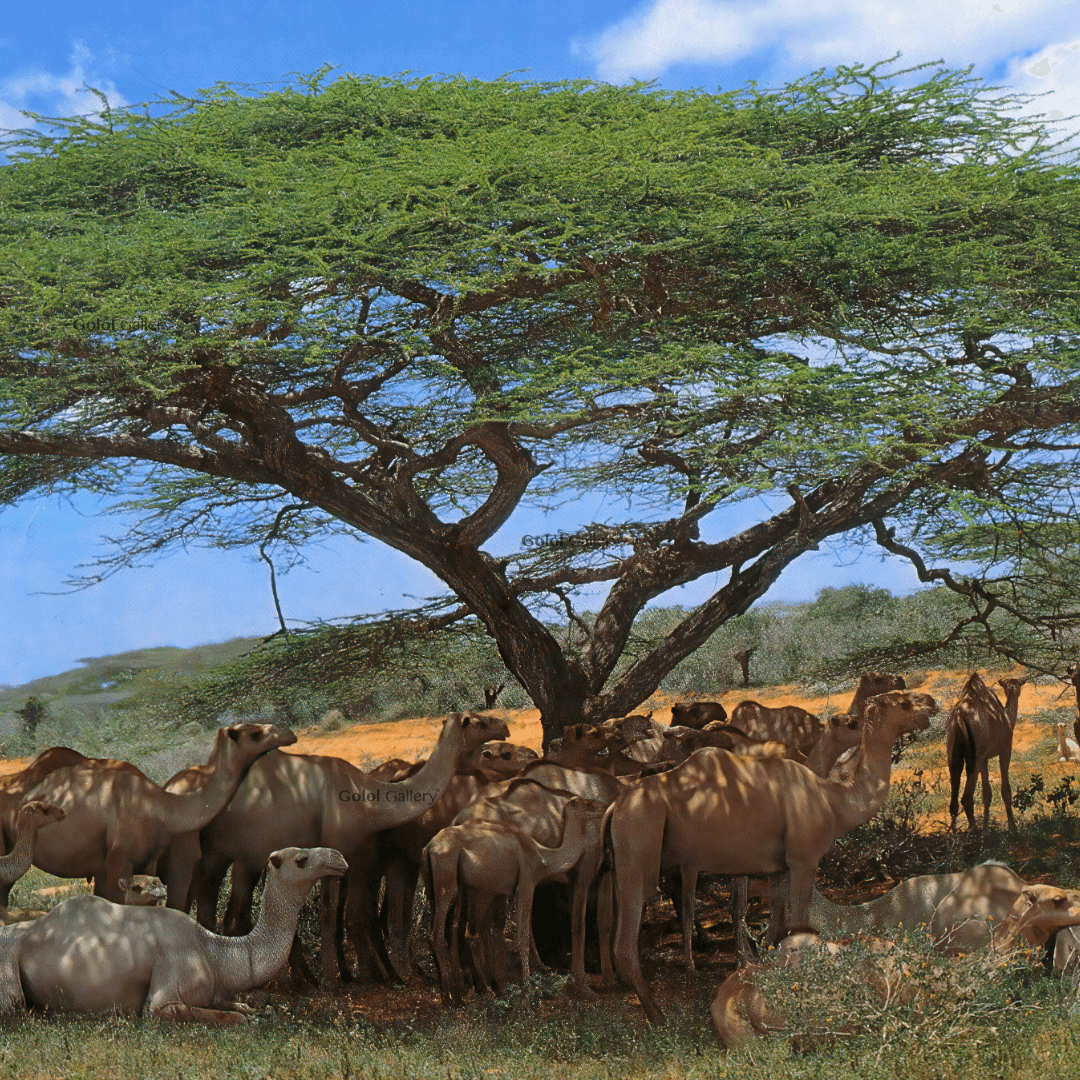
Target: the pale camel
pixel 177 862
pixel 1068 750
pixel 603 747
pixel 118 821
pixel 91 956
pixel 311 799
pixel 739 1010
pixel 139 890
pixel 485 859
pixel 143 890
pixel 980 728
pixel 958 910
pixel 718 813
pixel 644 737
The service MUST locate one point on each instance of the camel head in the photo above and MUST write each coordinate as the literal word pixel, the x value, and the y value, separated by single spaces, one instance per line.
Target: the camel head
pixel 503 757
pixel 34 814
pixel 476 729
pixel 306 865
pixel 1073 671
pixel 1011 686
pixel 881 683
pixel 696 714
pixel 254 740
pixel 143 890
pixel 628 729
pixel 903 710
pixel 1039 911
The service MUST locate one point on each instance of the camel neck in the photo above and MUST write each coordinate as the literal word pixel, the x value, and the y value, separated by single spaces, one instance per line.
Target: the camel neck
pixel 17 861
pixel 859 796
pixel 190 811
pixel 562 859
pixel 242 963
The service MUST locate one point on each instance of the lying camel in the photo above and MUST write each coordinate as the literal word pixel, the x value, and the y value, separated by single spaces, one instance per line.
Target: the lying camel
pixel 717 813
pixel 979 729
pixel 92 956
pixel 118 821
pixel 1067 749
pixel 311 799
pixel 958 910
pixel 739 1010
pixel 485 859
pixel 139 890
pixel 696 714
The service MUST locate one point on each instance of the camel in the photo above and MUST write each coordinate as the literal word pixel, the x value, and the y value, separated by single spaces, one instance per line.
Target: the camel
pixel 486 859
pixel 718 813
pixel 118 821
pixel 696 714
pixel 31 816
pixel 643 736
pixel 312 799
pixel 958 910
pixel 1073 671
pixel 1068 750
pixel 739 1009
pixel 980 728
pixel 88 955
pixel 177 863
pixel 143 890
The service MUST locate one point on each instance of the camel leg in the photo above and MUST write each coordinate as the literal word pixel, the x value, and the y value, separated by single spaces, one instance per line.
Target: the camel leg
pixel 967 800
pixel 177 868
pixel 605 917
pixel 740 901
pixel 397 908
pixel 117 865
pixel 523 916
pixel 238 912
pixel 686 913
pixel 450 983
pixel 988 795
pixel 1006 788
pixel 577 934
pixel 779 887
pixel 800 884
pixel 179 1011
pixel 329 907
pixel 210 874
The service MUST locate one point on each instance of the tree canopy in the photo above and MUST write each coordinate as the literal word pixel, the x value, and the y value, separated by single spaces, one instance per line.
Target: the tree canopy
pixel 407 308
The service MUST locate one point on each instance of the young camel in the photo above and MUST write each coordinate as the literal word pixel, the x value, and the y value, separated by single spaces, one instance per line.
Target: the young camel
pixel 980 728
pixel 485 859
pixel 1068 750
pixel 717 813
pixel 739 1010
pixel 958 910
pixel 31 816
pixel 88 955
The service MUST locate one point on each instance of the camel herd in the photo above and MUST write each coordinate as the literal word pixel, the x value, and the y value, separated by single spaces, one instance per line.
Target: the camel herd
pixel 615 812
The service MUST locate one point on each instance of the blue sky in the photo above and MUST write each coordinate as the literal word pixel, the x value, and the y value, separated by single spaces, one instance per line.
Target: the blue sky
pixel 134 52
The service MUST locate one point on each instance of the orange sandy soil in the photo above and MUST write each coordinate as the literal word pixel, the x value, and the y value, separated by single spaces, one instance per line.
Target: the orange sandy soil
pixel 367 744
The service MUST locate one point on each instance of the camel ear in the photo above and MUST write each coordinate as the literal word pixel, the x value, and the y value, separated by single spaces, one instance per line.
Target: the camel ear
pixel 125 883
pixel 276 861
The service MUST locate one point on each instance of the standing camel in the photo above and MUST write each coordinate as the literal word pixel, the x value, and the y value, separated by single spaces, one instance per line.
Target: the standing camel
pixel 722 814
pixel 981 728
pixel 310 800
pixel 118 821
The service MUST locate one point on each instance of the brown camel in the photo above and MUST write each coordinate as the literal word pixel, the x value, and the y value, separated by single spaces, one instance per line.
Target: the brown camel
pixel 696 714
pixel 31 816
pixel 980 728
pixel 958 910
pixel 718 813
pixel 1067 749
pixel 118 821
pixel 485 859
pixel 311 799
pixel 177 863
pixel 1073 671
pixel 91 956
pixel 739 1010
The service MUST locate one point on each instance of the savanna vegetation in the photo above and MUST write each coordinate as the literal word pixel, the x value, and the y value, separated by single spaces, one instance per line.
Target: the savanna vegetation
pixel 405 309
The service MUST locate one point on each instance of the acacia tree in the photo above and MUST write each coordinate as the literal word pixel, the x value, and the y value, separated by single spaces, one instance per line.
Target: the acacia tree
pixel 405 309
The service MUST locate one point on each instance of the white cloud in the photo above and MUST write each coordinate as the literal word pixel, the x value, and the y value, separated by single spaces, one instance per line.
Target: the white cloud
pixel 56 95
pixel 805 34
pixel 1054 73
